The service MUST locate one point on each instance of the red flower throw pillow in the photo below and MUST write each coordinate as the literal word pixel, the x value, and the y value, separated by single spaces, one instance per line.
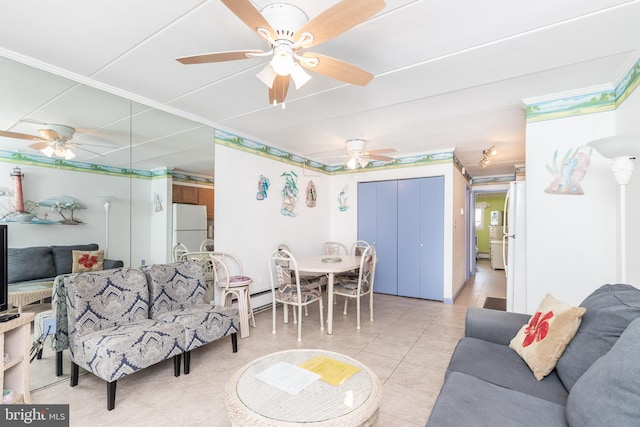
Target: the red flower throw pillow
pixel 87 261
pixel 543 339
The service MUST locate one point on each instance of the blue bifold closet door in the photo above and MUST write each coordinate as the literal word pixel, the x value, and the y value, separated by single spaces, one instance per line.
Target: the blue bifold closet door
pixel 378 225
pixel 421 238
pixel 404 219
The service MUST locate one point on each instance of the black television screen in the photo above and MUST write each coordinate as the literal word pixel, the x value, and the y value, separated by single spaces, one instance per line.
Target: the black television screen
pixel 4 286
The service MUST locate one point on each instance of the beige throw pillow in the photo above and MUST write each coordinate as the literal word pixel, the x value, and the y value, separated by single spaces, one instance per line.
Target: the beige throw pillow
pixel 87 261
pixel 542 341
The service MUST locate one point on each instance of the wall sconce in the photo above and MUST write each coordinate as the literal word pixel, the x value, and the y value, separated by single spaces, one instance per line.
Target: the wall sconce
pixel 487 155
pixel 623 150
pixel 106 202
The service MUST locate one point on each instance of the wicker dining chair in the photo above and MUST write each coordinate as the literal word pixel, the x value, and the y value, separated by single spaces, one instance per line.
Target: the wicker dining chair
pixel 360 287
pixel 286 289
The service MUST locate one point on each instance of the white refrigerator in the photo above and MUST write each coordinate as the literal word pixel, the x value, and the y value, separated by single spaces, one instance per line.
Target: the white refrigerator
pixel 515 247
pixel 189 225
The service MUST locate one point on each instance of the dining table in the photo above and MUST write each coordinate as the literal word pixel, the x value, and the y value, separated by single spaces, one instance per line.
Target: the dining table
pixel 329 265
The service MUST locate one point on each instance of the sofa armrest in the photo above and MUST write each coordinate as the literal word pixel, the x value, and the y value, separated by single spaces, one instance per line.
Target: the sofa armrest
pixel 112 263
pixel 492 325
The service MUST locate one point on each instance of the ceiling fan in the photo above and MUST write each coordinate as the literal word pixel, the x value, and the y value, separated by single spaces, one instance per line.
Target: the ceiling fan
pixel 54 140
pixel 287 30
pixel 356 154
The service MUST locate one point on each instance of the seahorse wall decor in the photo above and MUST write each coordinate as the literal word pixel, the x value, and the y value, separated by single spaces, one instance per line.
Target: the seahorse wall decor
pixel 263 187
pixel 568 173
pixel 289 194
pixel 342 199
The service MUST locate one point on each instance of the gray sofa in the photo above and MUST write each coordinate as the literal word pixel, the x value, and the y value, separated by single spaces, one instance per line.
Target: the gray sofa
pixel 596 381
pixel 43 263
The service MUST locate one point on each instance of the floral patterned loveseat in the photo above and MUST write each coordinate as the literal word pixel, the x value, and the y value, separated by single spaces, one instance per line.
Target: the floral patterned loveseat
pixel 120 321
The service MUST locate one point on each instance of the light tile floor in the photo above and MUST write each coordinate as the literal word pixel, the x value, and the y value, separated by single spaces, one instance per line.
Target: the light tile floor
pixel 408 346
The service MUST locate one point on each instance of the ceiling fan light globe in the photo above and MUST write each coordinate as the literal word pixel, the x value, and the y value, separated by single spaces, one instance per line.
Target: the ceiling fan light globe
pixel 60 151
pixel 363 162
pixel 299 76
pixel 282 63
pixel 47 151
pixel 351 163
pixel 267 76
pixel 69 155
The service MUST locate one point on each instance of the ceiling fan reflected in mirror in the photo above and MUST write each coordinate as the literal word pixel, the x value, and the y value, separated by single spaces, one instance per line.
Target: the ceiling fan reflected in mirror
pixel 355 154
pixel 287 31
pixel 54 140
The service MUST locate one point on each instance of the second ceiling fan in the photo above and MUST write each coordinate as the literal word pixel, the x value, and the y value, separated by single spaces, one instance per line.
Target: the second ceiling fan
pixel 286 29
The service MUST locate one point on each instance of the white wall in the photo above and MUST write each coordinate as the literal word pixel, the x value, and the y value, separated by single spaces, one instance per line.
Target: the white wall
pixel 252 229
pixel 160 223
pixel 571 239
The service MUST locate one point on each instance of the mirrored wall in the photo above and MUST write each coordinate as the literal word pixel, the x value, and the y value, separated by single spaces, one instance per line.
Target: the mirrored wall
pixel 125 152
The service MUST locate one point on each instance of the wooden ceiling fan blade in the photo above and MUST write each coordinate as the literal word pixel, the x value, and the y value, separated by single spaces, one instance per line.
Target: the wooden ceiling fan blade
pixel 17 135
pixel 340 18
pixel 39 145
pixel 338 70
pixel 216 57
pixel 246 11
pixel 279 90
pixel 49 134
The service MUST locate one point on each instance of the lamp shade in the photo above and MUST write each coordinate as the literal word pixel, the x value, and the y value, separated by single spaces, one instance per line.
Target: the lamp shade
pixel 617 146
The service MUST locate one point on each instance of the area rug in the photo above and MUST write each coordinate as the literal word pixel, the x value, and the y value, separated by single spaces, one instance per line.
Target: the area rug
pixel 495 303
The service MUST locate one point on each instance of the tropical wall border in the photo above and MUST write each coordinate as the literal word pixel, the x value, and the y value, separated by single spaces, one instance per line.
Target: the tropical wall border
pixel 55 163
pixel 588 103
pixel 231 140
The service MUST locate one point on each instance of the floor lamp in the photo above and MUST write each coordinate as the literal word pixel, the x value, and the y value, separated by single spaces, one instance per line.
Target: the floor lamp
pixel 623 150
pixel 106 202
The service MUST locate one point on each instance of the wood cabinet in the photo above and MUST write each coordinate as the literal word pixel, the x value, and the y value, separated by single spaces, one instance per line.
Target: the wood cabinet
pixel 194 196
pixel 205 197
pixel 15 341
pixel 185 194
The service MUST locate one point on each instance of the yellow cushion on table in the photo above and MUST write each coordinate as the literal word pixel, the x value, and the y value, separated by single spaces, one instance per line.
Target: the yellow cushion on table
pixel 544 338
pixel 87 261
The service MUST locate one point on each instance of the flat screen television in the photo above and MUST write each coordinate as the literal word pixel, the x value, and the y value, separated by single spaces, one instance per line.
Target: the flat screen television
pixel 4 279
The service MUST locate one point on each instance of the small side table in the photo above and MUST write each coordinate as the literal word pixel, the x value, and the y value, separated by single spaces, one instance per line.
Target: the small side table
pixel 15 341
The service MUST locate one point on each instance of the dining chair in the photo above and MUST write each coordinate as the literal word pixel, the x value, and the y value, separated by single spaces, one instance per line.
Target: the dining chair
pixel 286 289
pixel 207 245
pixel 350 288
pixel 204 261
pixel 312 280
pixel 359 246
pixel 178 250
pixel 335 248
pixel 230 278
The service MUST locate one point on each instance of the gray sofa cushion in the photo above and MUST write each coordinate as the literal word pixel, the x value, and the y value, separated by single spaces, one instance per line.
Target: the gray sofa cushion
pixel 615 375
pixel 63 257
pixel 31 263
pixel 500 365
pixel 468 401
pixel 610 309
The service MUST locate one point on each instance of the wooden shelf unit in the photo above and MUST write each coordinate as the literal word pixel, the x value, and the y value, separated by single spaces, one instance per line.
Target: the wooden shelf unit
pixel 15 340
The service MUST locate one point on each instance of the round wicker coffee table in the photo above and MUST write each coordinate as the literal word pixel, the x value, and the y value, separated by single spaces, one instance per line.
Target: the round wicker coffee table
pixel 23 295
pixel 253 402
